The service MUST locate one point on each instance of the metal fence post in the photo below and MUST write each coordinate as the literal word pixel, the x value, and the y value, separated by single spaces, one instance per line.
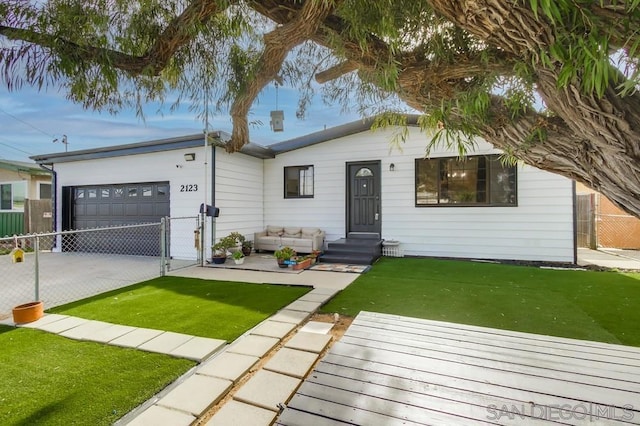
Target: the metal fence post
pixel 37 267
pixel 163 245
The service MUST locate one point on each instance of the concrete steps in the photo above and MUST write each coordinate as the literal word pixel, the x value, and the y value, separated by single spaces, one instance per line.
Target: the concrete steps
pixel 358 248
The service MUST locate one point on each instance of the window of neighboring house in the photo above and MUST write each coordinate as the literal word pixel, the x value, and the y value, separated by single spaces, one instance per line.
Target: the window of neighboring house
pixel 12 196
pixel 298 182
pixel 45 191
pixel 472 181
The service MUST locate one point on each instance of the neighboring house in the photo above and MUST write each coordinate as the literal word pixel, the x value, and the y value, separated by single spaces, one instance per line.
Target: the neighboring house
pixel 602 224
pixel 20 182
pixel 344 179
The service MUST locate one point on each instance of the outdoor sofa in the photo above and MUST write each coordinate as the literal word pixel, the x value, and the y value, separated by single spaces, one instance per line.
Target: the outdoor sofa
pixel 302 240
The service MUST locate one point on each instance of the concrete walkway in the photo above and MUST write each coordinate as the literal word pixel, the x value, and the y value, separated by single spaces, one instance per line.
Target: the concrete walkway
pixel 609 258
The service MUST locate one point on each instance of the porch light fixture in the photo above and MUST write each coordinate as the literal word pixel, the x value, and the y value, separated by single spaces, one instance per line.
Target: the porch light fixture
pixel 392 167
pixel 190 156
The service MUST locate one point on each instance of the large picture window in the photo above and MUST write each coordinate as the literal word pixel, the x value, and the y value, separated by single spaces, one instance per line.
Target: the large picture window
pixel 12 196
pixel 298 182
pixel 472 181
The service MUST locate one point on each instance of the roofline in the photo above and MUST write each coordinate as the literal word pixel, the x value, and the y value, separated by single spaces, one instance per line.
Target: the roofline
pixel 19 166
pixel 158 145
pixel 331 133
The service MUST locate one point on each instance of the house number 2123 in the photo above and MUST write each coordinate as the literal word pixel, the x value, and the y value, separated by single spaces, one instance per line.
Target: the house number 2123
pixel 189 188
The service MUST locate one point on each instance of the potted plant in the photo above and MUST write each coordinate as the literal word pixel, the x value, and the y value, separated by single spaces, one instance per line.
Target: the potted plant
pixel 238 241
pixel 284 255
pixel 302 262
pixel 220 249
pixel 238 257
pixel 247 245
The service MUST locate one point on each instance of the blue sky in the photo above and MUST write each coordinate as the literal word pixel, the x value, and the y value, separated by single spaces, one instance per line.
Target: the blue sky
pixel 31 120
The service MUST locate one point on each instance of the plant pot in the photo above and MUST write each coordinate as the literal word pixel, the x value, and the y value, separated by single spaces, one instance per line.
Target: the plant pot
pixel 219 260
pixel 246 251
pixel 282 264
pixel 239 261
pixel 28 312
pixel 303 264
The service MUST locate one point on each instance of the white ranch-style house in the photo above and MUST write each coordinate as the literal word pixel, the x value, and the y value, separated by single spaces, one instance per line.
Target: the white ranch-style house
pixel 346 179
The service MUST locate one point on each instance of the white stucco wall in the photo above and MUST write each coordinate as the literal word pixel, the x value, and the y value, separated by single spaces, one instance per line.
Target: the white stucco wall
pixel 539 228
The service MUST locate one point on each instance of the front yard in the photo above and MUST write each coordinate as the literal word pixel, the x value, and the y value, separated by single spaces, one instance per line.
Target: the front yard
pixel 601 306
pixel 47 379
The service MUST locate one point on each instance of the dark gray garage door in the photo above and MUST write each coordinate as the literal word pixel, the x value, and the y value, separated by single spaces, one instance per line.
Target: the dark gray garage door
pixel 99 206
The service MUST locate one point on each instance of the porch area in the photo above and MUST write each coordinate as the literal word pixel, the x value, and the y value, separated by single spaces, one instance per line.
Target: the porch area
pixel 390 370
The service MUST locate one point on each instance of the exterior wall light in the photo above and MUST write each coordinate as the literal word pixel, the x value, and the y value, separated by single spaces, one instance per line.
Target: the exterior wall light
pixel 190 156
pixel 392 167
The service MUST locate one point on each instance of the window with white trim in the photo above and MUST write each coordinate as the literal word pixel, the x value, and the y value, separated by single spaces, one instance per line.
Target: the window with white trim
pixel 12 196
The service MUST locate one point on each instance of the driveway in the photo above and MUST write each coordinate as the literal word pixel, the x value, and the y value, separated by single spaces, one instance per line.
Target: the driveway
pixel 66 277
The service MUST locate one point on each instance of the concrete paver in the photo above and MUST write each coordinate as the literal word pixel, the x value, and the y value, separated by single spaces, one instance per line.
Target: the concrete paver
pixel 311 297
pixel 299 305
pixel 267 389
pixel 273 329
pixel 253 345
pixel 293 317
pixel 108 334
pixel 136 337
pixel 62 325
pixel 86 329
pixel 198 348
pixel 317 327
pixel 292 362
pixel 310 342
pixel 328 291
pixel 46 319
pixel 195 394
pixel 240 414
pixel 166 342
pixel 156 415
pixel 228 366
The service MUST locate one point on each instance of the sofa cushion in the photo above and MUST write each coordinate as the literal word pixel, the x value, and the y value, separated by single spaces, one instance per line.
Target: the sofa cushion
pixel 269 240
pixel 310 232
pixel 292 232
pixel 275 231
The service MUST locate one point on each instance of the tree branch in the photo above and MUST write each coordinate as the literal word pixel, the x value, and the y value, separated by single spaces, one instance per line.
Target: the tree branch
pixel 278 43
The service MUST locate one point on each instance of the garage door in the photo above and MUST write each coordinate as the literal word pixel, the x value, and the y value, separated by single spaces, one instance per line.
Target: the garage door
pixel 100 206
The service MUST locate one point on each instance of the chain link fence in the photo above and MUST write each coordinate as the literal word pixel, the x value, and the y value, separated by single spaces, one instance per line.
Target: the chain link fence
pixel 63 267
pixel 601 224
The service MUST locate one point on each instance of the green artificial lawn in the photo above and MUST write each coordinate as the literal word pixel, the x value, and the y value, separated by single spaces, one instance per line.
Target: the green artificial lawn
pixel 601 306
pixel 46 379
pixel 216 309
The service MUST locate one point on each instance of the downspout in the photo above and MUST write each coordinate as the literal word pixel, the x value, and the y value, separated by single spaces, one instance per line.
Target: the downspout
pixel 54 195
pixel 575 222
pixel 213 191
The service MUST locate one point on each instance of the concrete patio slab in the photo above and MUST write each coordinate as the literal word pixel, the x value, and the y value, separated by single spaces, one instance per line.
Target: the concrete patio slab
pixel 240 414
pixel 310 342
pixel 317 327
pixel 299 305
pixel 108 334
pixel 320 298
pixel 195 394
pixel 273 329
pixel 267 389
pixel 253 345
pixel 85 329
pixel 228 366
pixel 292 362
pixel 46 319
pixel 136 337
pixel 62 325
pixel 293 317
pixel 198 348
pixel 166 342
pixel 157 415
pixel 327 291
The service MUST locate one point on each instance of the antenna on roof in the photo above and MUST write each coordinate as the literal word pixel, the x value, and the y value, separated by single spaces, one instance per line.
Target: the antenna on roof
pixel 64 141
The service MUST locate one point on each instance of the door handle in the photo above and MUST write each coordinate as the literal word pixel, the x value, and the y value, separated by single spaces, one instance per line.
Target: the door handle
pixel 377 216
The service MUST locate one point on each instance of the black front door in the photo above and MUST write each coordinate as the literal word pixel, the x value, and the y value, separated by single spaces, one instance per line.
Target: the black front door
pixel 363 197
